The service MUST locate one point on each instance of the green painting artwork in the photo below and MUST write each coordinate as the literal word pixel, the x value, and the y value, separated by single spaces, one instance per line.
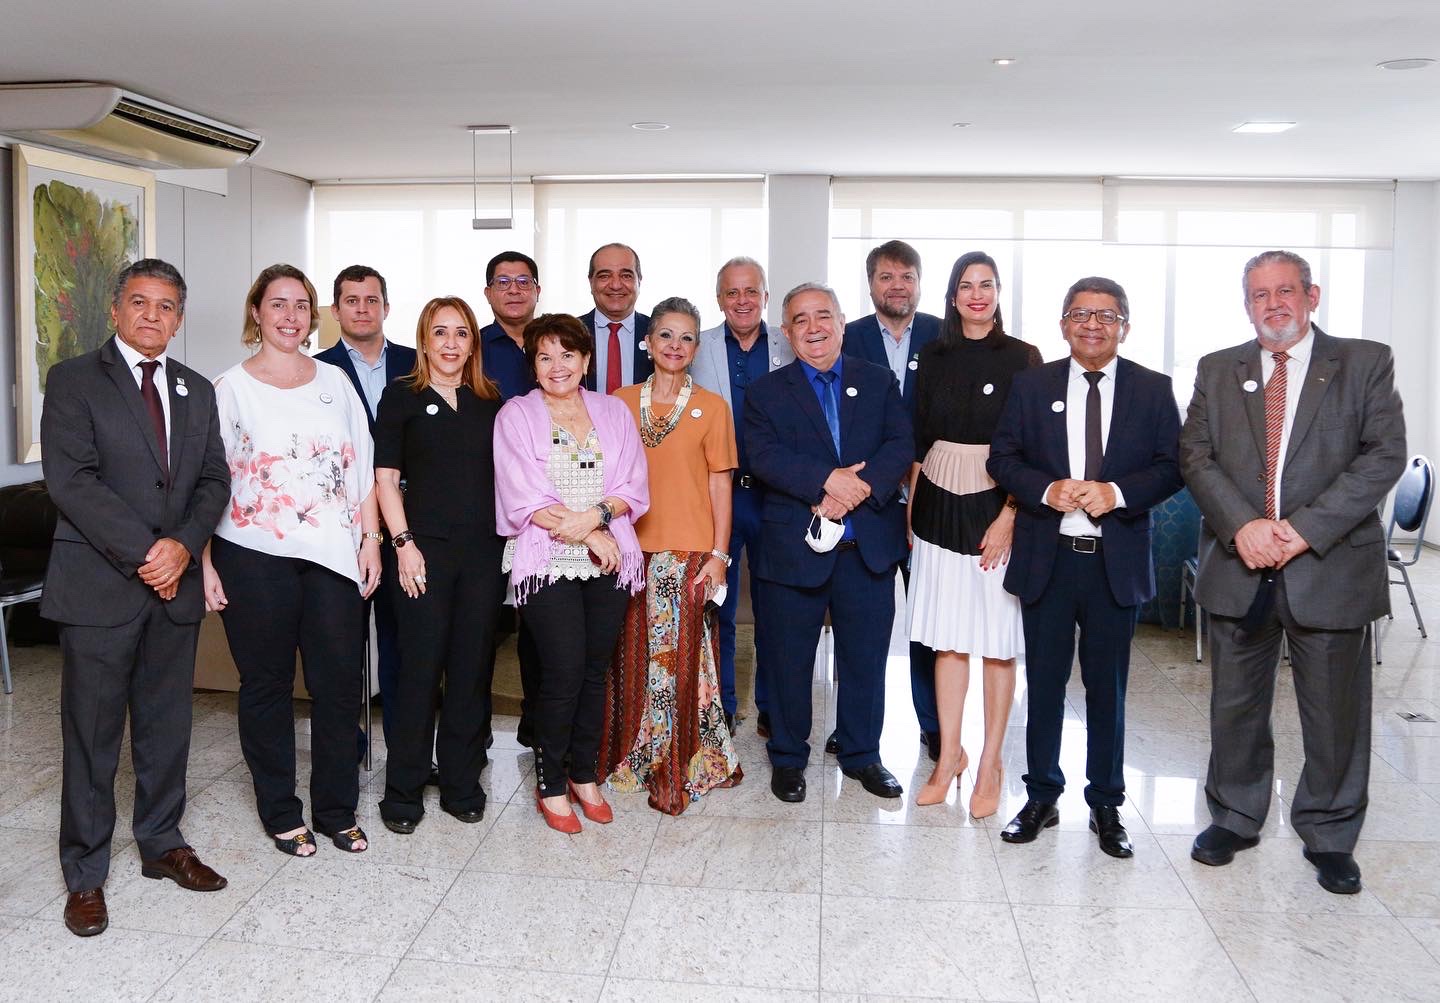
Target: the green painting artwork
pixel 82 241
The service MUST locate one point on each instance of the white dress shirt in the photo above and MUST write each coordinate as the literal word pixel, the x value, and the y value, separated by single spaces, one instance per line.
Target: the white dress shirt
pixel 133 359
pixel 897 353
pixel 602 349
pixel 1297 367
pixel 1077 523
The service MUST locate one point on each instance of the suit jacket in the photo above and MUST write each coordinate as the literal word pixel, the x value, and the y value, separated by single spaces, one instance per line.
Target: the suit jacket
pixel 399 361
pixel 862 339
pixel 791 451
pixel 711 368
pixel 1031 450
pixel 1346 450
pixel 102 468
pixel 644 366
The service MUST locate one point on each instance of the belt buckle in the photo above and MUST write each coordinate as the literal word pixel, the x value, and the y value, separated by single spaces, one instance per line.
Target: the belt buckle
pixel 1084 544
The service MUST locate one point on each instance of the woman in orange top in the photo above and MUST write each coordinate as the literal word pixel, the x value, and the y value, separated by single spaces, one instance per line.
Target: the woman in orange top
pixel 664 726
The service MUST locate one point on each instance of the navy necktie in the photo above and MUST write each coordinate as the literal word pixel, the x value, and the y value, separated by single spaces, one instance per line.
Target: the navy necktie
pixel 830 406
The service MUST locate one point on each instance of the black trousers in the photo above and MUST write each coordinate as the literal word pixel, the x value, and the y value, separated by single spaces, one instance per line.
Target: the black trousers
pixel 279 604
pixel 148 667
pixel 575 624
pixel 1078 595
pixel 529 656
pixel 447 635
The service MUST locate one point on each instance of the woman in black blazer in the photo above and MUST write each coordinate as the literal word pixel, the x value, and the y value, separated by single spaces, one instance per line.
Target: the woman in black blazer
pixel 434 434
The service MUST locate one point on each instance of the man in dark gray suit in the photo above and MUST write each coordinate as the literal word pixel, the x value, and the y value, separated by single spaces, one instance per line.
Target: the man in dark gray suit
pixel 134 461
pixel 1291 443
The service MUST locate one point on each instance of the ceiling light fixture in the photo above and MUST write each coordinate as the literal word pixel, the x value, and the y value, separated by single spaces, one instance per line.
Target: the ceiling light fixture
pixel 649 126
pixel 1005 61
pixel 1263 128
pixel 959 125
pixel 1404 64
pixel 477 222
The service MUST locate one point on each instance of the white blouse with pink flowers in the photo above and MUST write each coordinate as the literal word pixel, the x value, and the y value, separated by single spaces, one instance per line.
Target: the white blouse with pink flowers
pixel 300 465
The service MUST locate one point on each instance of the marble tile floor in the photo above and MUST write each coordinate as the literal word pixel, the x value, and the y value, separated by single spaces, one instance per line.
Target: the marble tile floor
pixel 845 897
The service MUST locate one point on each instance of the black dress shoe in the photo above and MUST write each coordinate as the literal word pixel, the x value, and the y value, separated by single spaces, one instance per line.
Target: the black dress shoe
pixel 403 826
pixel 1114 840
pixel 1217 847
pixel 467 815
pixel 931 741
pixel 729 721
pixel 788 783
pixel 1025 826
pixel 1337 872
pixel 85 913
pixel 832 747
pixel 762 724
pixel 876 779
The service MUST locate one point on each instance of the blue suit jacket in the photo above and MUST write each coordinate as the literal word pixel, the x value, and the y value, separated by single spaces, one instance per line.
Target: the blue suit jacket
pixel 862 339
pixel 399 361
pixel 644 366
pixel 791 450
pixel 1030 450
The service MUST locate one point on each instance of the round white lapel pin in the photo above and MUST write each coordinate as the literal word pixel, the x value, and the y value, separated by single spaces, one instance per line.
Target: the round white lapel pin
pixel 181 390
pixel 851 392
pixel 695 412
pixel 1250 386
pixel 326 399
pixel 914 364
pixel 988 389
pixel 1058 406
pixel 774 360
pixel 432 408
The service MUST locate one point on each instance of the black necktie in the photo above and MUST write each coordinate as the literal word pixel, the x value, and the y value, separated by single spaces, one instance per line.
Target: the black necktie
pixel 151 395
pixel 1094 445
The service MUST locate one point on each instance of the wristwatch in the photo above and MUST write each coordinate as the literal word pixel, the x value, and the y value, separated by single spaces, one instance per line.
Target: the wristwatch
pixel 400 539
pixel 605 514
pixel 724 558
pixel 375 535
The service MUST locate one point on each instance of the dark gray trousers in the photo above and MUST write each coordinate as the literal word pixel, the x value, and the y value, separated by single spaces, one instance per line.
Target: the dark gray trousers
pixel 147 667
pixel 1333 688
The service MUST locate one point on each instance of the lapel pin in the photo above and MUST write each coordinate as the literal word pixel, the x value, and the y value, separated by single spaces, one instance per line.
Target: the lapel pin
pixel 432 408
pixel 181 390
pixel 695 412
pixel 1250 386
pixel 988 389
pixel 326 399
pixel 774 360
pixel 1058 406
pixel 851 392
pixel 179 379
pixel 1320 379
pixel 914 364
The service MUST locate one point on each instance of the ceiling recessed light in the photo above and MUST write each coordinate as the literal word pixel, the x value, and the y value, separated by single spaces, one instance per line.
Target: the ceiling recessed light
pixel 1004 61
pixel 959 125
pixel 1405 64
pixel 649 126
pixel 1263 128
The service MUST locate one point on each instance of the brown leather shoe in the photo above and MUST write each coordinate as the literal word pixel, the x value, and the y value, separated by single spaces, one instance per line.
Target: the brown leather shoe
pixel 85 913
pixel 181 866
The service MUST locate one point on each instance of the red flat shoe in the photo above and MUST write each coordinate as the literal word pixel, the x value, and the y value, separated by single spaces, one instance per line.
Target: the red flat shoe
pixel 594 812
pixel 568 824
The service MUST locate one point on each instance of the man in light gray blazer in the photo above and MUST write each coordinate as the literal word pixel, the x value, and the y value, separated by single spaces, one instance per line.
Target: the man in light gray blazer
pixel 731 357
pixel 1290 444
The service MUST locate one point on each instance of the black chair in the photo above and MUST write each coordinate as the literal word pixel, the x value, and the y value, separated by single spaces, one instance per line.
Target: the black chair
pixel 1410 511
pixel 15 589
pixel 1189 572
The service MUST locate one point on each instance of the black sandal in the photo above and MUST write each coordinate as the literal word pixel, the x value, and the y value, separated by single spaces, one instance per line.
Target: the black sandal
pixel 292 844
pixel 347 838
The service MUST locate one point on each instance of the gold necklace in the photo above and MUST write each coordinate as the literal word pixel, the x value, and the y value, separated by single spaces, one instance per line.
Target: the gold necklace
pixel 653 431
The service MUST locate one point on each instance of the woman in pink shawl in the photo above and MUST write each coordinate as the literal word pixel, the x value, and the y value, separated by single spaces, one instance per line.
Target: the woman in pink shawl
pixel 570 480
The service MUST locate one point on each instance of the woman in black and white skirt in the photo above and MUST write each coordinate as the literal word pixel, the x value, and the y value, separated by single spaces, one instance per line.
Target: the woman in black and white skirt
pixel 962 524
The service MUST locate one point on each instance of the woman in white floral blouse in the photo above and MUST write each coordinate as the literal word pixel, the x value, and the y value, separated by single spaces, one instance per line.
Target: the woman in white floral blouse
pixel 293 559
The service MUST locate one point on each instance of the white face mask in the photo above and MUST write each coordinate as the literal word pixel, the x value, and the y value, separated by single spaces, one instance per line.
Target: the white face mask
pixel 823 540
pixel 721 593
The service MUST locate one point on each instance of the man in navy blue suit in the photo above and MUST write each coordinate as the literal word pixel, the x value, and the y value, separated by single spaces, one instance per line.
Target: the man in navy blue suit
pixel 621 357
pixel 830 439
pixel 360 305
pixel 893 336
pixel 1087 446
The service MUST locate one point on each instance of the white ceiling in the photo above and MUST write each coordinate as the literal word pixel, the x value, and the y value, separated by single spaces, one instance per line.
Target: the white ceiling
pixel 362 90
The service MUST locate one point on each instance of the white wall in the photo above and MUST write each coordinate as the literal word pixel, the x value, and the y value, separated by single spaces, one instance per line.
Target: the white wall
pixel 799 208
pixel 1415 311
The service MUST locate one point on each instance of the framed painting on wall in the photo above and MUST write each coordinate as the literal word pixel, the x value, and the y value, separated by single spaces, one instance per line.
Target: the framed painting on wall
pixel 78 222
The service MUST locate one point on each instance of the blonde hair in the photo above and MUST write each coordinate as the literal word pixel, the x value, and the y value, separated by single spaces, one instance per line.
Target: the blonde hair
pixel 473 375
pixel 250 334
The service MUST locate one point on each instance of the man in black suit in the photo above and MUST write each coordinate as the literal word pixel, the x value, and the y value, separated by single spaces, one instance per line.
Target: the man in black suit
pixel 361 304
pixel 621 357
pixel 892 337
pixel 134 462
pixel 1087 446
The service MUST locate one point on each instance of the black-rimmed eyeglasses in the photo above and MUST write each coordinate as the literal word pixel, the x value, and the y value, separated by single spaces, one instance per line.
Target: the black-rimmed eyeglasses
pixel 1081 315
pixel 524 283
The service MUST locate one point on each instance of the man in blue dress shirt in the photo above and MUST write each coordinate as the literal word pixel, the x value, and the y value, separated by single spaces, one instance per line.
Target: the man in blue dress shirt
pixel 512 288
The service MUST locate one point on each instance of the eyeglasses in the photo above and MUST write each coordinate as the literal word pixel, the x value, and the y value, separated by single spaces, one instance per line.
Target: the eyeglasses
pixel 1080 315
pixel 524 283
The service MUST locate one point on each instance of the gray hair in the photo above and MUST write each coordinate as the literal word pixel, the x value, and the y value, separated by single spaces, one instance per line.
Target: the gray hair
pixel 809 287
pixel 1276 258
pixel 149 268
pixel 1103 286
pixel 676 304
pixel 741 261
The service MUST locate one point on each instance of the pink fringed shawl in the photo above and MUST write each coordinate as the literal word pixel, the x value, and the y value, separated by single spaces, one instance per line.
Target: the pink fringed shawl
pixel 522 485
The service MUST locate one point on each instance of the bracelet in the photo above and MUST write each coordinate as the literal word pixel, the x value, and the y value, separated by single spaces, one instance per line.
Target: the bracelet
pixel 723 557
pixel 400 539
pixel 375 535
pixel 1011 503
pixel 605 514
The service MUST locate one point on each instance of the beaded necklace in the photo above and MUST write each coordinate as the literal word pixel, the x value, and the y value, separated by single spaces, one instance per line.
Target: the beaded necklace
pixel 653 432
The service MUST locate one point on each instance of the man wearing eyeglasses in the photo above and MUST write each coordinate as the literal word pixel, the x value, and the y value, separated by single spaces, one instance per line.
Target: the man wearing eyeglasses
pixel 731 357
pixel 620 357
pixel 1087 446
pixel 1291 442
pixel 512 288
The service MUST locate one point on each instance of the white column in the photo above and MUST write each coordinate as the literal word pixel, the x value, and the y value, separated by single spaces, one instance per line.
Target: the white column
pixel 799 211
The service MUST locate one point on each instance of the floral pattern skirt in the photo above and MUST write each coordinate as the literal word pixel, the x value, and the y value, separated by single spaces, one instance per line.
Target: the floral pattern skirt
pixel 664 726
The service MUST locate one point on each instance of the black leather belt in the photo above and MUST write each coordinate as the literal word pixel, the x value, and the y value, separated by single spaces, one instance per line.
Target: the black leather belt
pixel 742 480
pixel 1084 544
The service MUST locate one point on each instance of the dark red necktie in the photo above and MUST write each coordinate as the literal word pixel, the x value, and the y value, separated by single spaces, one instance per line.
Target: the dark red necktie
pixel 151 394
pixel 612 360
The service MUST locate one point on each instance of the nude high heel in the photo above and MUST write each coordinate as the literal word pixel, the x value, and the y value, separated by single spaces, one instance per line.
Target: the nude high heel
pixel 937 788
pixel 984 807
